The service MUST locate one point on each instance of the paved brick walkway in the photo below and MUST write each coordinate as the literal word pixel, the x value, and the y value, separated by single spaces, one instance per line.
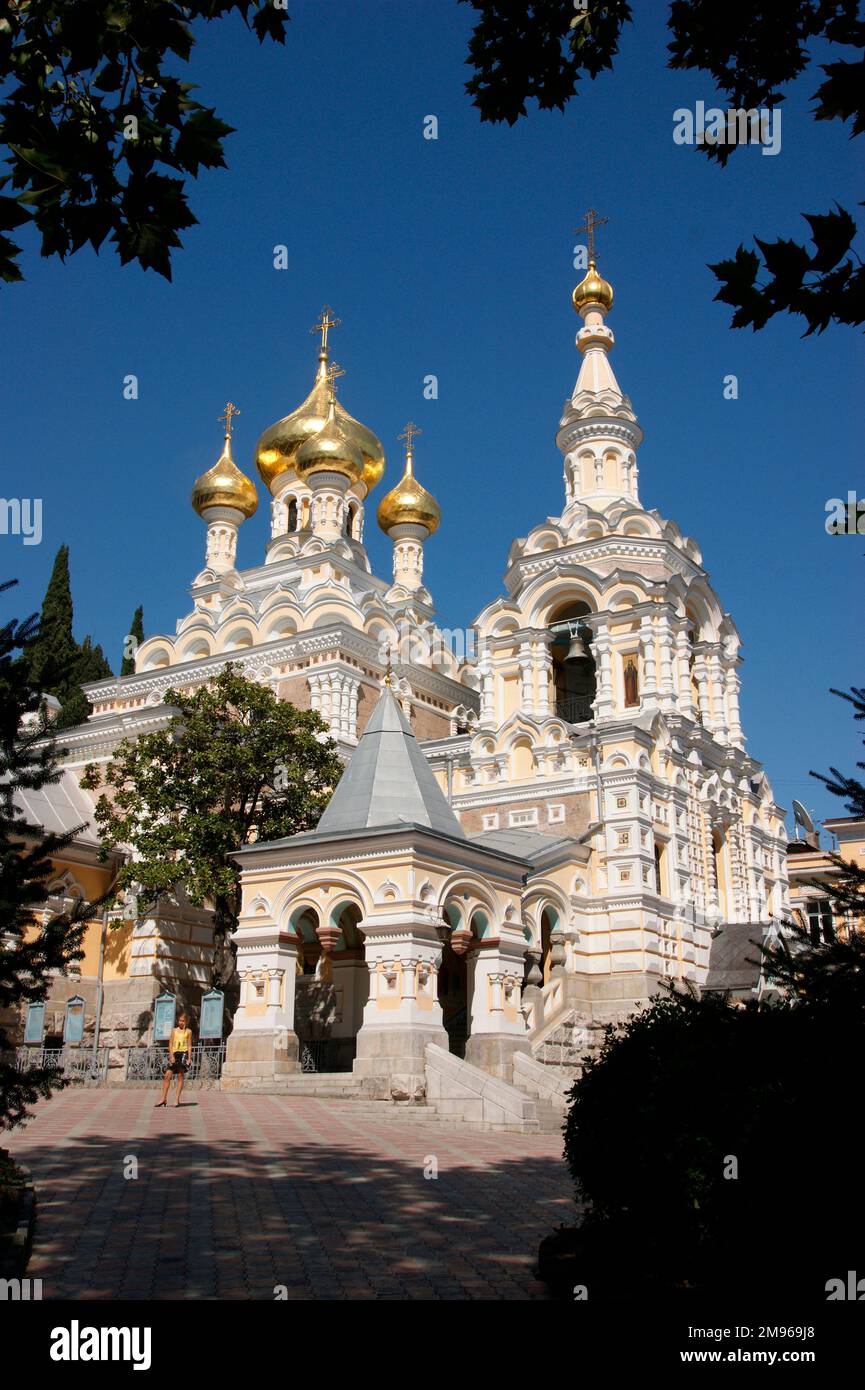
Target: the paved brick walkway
pixel 237 1194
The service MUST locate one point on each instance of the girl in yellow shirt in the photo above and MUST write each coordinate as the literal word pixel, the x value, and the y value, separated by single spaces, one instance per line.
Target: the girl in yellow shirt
pixel 180 1053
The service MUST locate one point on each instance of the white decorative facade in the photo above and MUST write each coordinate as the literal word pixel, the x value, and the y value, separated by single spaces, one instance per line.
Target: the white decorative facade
pixel 591 748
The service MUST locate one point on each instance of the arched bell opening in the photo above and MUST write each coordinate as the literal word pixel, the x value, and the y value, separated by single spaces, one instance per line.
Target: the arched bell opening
pixel 574 672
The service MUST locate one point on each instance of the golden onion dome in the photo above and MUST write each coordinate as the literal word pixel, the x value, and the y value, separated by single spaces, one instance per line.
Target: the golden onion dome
pixel 409 504
pixel 277 448
pixel 330 450
pixel 593 289
pixel 224 485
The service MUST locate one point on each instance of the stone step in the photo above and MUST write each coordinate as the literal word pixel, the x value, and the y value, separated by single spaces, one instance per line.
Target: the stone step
pixel 325 1085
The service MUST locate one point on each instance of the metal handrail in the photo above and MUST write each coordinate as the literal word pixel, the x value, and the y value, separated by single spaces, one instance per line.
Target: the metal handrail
pixel 575 709
pixel 77 1064
pixel 149 1063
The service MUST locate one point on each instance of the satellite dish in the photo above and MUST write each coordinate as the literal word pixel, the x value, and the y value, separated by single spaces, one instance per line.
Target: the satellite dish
pixel 801 817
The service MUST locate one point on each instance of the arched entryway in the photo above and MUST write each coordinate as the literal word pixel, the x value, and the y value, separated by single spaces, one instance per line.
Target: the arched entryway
pixel 549 923
pixel 453 987
pixel 332 986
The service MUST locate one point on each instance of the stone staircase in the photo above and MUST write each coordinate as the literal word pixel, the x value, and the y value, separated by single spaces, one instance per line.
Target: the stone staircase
pixel 457 1095
pixel 567 1041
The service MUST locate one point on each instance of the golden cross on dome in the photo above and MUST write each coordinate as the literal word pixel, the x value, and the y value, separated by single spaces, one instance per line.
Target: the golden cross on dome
pixel 408 435
pixel 326 320
pixel 588 225
pixel 227 414
pixel 333 371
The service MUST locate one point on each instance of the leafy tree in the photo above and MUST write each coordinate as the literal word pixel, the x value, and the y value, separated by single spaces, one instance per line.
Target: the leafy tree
pixel 710 1140
pixel 30 952
pixel 132 642
pixel 98 132
pixel 235 764
pixel 830 973
pixel 539 50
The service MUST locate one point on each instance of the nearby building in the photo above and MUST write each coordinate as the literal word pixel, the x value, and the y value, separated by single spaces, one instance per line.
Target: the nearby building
pixel 597 817
pixel 809 867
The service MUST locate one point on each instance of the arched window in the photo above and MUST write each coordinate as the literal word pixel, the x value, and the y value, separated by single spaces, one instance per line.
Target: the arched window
pixel 292 514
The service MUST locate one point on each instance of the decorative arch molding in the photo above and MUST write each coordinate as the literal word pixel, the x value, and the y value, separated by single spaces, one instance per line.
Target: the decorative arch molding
pixel 66 886
pixel 620 597
pixel 388 892
pixel 325 610
pixel 479 895
pixel 229 641
pixel 540 896
pixel 615 761
pixel 196 647
pixel 570 584
pixel 196 621
pixel 305 887
pixel 705 609
pixel 544 538
pixel 501 607
pixel 156 656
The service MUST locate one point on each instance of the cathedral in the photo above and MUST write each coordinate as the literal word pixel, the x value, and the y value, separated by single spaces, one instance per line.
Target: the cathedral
pixel 537 825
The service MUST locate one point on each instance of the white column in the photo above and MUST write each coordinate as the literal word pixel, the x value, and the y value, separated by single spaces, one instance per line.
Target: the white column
pixel 328 505
pixel 701 674
pixel 527 694
pixel 604 706
pixel 683 663
pixel 733 685
pixel 665 642
pixel 408 542
pixel 649 690
pixel 487 714
pixel 351 712
pixel 542 663
pixel 221 547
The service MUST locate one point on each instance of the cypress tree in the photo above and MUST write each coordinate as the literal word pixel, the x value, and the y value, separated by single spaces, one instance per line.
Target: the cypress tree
pixel 52 652
pixel 89 665
pixel 132 642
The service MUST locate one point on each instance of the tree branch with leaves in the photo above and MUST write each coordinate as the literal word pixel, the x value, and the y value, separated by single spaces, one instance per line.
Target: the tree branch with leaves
pixel 235 764
pixel 98 135
pixel 540 50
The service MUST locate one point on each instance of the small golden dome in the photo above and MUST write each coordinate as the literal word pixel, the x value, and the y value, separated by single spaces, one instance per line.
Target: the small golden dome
pixel 276 449
pixel 330 450
pixel 593 289
pixel 224 485
pixel 409 504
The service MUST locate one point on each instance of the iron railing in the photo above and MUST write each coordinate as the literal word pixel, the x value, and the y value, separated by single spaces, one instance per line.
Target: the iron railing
pixel 575 709
pixel 321 1054
pixel 149 1063
pixel 76 1063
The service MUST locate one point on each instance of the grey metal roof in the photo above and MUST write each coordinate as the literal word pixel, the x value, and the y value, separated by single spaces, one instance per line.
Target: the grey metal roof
pixel 388 780
pixel 58 808
pixel 734 960
pixel 525 844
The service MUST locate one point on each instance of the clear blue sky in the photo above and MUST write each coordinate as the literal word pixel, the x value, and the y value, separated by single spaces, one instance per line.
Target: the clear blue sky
pixel 454 257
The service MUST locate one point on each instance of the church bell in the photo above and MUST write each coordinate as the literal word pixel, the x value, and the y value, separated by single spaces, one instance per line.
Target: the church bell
pixel 577 650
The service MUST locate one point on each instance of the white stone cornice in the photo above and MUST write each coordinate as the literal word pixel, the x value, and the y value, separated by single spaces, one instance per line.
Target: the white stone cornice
pixel 338 639
pixel 638 548
pixel 574 432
